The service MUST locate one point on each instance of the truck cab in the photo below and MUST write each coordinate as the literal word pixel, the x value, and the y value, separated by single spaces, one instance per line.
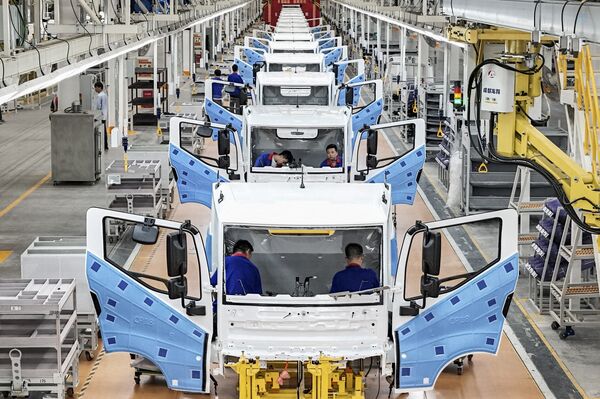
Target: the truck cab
pixel 306 132
pixel 192 328
pixel 300 88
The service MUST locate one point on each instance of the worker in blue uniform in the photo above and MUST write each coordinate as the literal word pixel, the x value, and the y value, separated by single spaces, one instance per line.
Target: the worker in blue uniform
pixel 241 275
pixel 217 88
pixel 276 160
pixel 234 95
pixel 333 160
pixel 354 277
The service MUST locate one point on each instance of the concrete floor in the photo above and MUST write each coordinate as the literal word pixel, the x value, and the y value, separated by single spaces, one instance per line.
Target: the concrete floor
pixel 31 206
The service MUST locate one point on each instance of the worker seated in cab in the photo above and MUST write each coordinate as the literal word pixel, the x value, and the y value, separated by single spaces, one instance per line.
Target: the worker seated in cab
pixel 274 159
pixel 333 160
pixel 241 275
pixel 354 277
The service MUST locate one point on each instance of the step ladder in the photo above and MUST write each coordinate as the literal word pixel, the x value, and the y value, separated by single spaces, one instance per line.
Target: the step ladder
pixel 525 208
pixel 576 299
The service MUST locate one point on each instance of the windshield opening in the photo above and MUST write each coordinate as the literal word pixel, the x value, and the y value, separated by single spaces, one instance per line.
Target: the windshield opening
pixel 302 262
pixel 294 68
pixel 288 95
pixel 307 146
pixel 294 51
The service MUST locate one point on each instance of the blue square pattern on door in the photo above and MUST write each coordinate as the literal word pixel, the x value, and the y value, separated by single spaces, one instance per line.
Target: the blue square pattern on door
pixel 466 321
pixel 137 321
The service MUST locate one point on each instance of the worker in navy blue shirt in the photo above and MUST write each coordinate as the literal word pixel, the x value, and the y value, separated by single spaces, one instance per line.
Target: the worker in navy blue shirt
pixel 333 160
pixel 274 159
pixel 234 96
pixel 241 275
pixel 354 277
pixel 217 89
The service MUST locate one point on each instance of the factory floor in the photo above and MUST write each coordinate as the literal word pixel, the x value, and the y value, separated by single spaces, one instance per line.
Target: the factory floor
pixel 532 361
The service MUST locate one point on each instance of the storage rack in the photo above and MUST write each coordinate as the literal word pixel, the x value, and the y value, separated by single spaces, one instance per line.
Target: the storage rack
pixel 142 82
pixel 540 265
pixel 432 111
pixel 64 258
pixel 187 132
pixel 39 349
pixel 157 152
pixel 442 158
pixel 137 190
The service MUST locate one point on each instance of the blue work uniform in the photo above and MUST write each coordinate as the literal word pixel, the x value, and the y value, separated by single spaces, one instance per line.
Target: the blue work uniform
pixel 264 159
pixel 235 78
pixel 332 164
pixel 241 276
pixel 217 90
pixel 354 278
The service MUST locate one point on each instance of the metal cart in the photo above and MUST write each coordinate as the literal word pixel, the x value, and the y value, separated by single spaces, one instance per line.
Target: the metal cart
pixel 64 257
pixel 39 349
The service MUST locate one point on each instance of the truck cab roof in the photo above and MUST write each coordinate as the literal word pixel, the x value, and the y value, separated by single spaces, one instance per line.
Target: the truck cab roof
pixel 292 116
pixel 316 205
pixel 286 78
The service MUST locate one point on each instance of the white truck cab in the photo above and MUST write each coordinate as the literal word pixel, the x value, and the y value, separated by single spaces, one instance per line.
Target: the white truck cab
pixel 414 320
pixel 301 88
pixel 246 153
pixel 294 62
pixel 293 47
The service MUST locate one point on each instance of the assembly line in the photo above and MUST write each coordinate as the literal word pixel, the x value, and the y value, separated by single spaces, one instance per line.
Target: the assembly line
pixel 286 200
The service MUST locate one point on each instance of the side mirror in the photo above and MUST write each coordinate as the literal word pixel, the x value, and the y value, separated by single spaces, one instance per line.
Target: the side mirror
pixel 349 96
pixel 144 234
pixel 223 142
pixel 224 162
pixel 335 70
pixel 176 254
pixel 432 253
pixel 372 144
pixel 204 131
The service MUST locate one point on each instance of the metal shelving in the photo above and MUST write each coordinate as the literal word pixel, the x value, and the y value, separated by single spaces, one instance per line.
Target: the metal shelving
pixel 137 190
pixel 39 349
pixel 64 257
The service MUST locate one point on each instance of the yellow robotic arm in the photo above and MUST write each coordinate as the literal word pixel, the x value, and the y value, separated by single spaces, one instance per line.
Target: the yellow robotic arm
pixel 518 141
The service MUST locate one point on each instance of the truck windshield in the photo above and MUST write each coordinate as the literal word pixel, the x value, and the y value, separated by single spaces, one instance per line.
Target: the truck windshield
pixel 307 145
pixel 303 262
pixel 292 95
pixel 294 68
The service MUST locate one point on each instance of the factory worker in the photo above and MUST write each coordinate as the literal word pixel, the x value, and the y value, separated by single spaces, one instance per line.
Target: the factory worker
pixel 241 275
pixel 274 159
pixel 102 106
pixel 217 88
pixel 333 160
pixel 354 277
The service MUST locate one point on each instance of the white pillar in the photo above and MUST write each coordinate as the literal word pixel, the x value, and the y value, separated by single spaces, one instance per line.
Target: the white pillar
pixel 403 53
pixel 187 52
pixel 111 92
pixel 6 28
pixel 155 75
pixel 122 89
pixel 68 92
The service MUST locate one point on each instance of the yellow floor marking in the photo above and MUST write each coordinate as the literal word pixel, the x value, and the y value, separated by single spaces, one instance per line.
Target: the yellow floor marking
pixel 4 255
pixel 26 194
pixel 552 351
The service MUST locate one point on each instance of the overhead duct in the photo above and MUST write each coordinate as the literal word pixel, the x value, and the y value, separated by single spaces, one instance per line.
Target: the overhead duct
pixel 519 14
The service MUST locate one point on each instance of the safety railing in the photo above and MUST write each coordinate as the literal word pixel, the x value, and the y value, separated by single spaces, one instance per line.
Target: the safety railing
pixel 587 101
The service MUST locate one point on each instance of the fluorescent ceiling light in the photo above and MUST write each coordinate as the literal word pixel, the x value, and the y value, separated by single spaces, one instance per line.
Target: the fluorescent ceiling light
pixel 12 92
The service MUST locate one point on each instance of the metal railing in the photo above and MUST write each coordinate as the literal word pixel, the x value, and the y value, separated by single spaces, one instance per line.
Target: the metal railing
pixel 587 101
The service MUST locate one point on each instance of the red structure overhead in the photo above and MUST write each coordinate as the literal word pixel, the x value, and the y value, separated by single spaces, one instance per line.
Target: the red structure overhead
pixel 272 9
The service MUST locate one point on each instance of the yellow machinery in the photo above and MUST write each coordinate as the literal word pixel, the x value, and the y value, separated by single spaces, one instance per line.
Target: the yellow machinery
pixel 323 378
pixel 519 142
